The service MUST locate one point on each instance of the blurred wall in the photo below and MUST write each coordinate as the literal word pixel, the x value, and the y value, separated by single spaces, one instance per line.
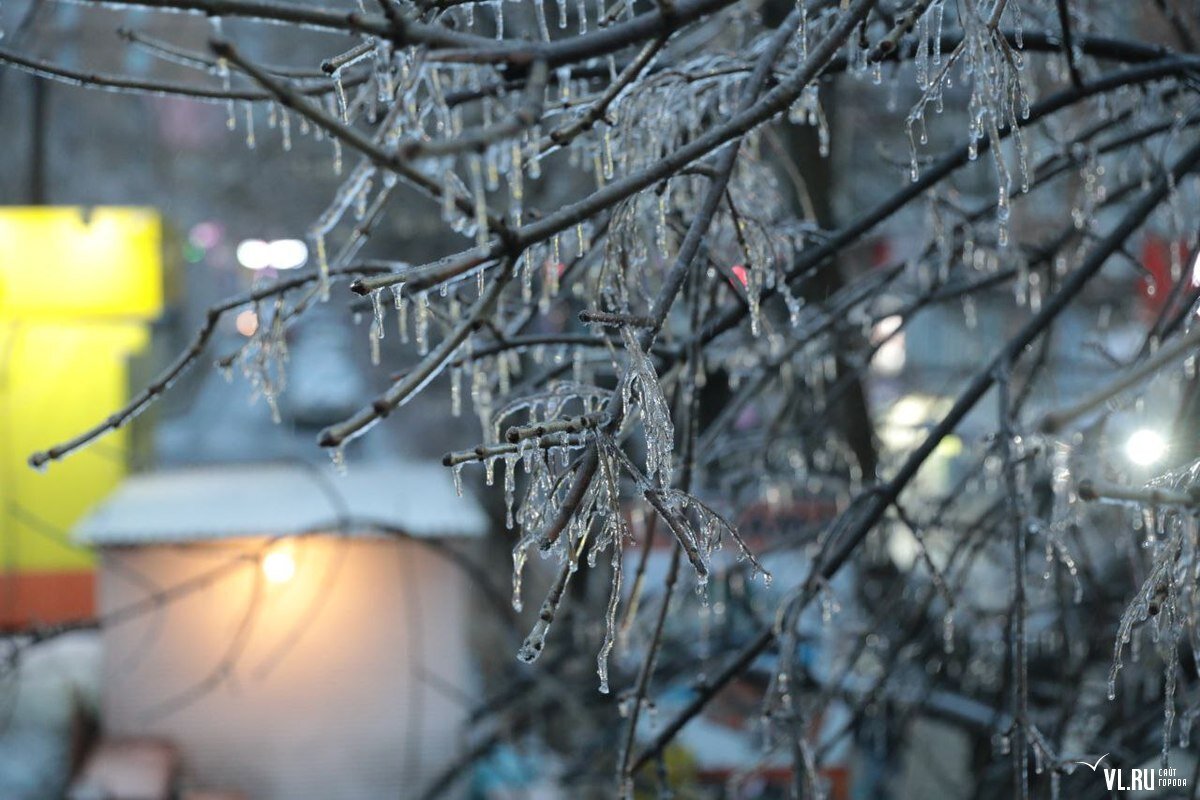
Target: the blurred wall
pixel 351 680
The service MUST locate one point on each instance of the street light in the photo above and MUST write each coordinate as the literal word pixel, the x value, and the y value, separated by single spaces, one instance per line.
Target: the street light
pixel 1145 447
pixel 279 566
pixel 258 254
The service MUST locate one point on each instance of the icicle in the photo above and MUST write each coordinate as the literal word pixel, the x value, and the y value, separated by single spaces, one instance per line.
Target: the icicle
pixel 448 209
pixel 610 615
pixel 377 324
pixel 455 390
pixel 539 10
pixel 226 84
pixel 937 33
pixel 503 373
pixel 338 456
pixel 401 313
pixel 340 93
pixel 249 109
pixel 510 488
pixel 598 168
pixel 922 57
pixel 491 162
pixel 970 316
pixel 421 327
pixel 914 172
pixel 481 223
pixel 285 129
pixel 608 155
pixel 322 265
pixel 516 186
pixel 535 157
pixel 519 557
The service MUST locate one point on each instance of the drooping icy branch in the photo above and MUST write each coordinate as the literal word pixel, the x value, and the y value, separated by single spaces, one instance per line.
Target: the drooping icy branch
pixel 526 115
pixel 1090 490
pixel 1184 345
pixel 426 370
pixel 875 503
pixel 156 388
pixel 122 83
pixel 288 97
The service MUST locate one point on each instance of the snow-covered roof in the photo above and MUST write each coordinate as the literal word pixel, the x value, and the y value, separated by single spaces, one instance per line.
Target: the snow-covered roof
pixel 279 499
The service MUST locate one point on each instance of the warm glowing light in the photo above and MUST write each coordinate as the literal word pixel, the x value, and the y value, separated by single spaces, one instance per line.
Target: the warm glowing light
pixel 257 254
pixel 246 322
pixel 279 566
pixel 1145 447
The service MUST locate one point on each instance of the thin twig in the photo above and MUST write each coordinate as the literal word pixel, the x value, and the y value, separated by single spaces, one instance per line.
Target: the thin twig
pixel 1090 490
pixel 1185 345
pixel 1068 45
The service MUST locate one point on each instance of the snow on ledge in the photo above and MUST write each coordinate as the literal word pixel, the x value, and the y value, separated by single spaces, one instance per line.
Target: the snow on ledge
pixel 279 499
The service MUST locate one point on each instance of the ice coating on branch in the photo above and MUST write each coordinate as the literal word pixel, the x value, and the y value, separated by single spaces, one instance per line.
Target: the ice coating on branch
pixel 377 331
pixel 265 355
pixel 1168 601
pixel 641 382
pixel 534 643
pixel 997 101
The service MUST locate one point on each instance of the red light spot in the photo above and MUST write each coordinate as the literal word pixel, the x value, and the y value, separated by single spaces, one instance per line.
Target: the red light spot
pixel 741 274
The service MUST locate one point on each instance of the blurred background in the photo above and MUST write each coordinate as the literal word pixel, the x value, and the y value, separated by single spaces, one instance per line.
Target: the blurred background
pixel 244 619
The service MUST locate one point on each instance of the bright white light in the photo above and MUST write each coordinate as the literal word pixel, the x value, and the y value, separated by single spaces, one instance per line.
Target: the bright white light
pixel 1145 447
pixel 254 254
pixel 278 566
pixel 278 254
pixel 288 253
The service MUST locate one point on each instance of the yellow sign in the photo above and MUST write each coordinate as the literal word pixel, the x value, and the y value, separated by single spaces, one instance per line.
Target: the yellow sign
pixel 78 288
pixel 75 263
